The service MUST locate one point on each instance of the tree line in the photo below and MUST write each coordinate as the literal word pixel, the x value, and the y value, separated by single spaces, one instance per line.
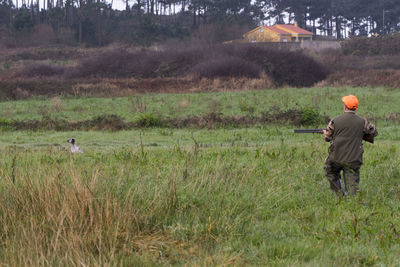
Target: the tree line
pixel 144 22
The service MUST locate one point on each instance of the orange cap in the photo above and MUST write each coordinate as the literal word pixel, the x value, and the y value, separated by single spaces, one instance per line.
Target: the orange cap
pixel 350 101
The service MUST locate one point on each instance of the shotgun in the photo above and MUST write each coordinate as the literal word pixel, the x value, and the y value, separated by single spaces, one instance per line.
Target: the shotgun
pixel 320 131
pixel 366 137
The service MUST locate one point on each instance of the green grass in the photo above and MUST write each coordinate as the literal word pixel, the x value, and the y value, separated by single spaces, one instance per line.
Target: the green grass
pixel 196 197
pixel 378 103
pixel 240 196
pixel 246 137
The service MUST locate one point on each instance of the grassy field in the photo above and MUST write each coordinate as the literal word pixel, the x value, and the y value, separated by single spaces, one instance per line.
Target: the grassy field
pixel 163 196
pixel 379 103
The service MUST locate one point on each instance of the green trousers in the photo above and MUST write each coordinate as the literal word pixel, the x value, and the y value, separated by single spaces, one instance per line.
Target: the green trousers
pixel 351 178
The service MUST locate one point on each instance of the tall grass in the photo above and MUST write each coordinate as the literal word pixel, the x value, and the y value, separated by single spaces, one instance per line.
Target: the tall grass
pixel 57 214
pixel 198 206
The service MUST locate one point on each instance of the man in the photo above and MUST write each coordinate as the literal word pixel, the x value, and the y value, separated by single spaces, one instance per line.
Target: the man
pixel 345 133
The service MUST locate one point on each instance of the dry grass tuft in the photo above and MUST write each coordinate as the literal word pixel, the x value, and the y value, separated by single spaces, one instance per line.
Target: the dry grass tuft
pixel 184 103
pixel 393 117
pixel 21 93
pixel 100 89
pixel 64 218
pixel 138 104
pixel 56 104
pixel 215 106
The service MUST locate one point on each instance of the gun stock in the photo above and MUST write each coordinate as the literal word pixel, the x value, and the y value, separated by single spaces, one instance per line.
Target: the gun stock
pixel 368 138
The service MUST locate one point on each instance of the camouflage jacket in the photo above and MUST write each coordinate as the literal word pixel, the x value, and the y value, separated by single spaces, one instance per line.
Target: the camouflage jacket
pixel 345 133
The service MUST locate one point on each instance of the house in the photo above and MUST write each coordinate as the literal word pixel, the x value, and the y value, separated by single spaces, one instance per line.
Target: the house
pixel 277 33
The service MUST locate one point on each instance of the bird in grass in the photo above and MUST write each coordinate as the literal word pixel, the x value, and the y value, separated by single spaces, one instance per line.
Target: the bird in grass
pixel 74 147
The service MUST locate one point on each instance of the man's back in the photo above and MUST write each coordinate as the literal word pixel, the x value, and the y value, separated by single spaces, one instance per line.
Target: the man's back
pixel 346 145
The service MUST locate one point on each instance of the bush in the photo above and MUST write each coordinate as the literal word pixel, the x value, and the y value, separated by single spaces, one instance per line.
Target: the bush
pixel 338 62
pixel 383 45
pixel 310 116
pixel 221 61
pixel 55 53
pixel 40 70
pixel 20 89
pixel 246 107
pixel 362 78
pixel 116 64
pixel 6 124
pixel 106 122
pixel 284 67
pixel 148 120
pixel 226 66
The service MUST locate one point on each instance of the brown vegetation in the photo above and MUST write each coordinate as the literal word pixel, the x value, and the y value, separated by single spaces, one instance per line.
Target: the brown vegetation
pixel 364 78
pixel 364 62
pixel 221 61
pixel 25 88
pixel 46 53
pixel 388 44
pixel 123 71
pixel 338 61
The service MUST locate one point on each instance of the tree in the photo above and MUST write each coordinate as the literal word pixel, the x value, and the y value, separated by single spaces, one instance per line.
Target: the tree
pixel 6 7
pixel 94 22
pixel 23 20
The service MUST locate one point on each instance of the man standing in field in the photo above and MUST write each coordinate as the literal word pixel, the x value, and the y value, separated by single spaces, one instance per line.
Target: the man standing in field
pixel 345 133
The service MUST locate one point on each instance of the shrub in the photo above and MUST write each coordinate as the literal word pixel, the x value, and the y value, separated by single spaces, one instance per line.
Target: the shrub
pixel 105 122
pixel 63 53
pixel 295 116
pixel 178 62
pixel 284 67
pixel 338 62
pixel 117 63
pixel 246 107
pixel 40 70
pixel 220 61
pixel 226 66
pixel 6 124
pixel 148 120
pixel 383 45
pixel 361 78
pixel 19 89
pixel 310 116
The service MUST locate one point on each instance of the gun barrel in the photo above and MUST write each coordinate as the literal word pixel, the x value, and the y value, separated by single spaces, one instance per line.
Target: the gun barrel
pixel 308 130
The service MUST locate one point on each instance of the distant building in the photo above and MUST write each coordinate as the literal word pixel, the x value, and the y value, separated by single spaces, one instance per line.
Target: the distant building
pixel 277 33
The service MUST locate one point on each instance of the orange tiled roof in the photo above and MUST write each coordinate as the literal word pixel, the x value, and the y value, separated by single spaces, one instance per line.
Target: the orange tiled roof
pixel 294 29
pixel 277 30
